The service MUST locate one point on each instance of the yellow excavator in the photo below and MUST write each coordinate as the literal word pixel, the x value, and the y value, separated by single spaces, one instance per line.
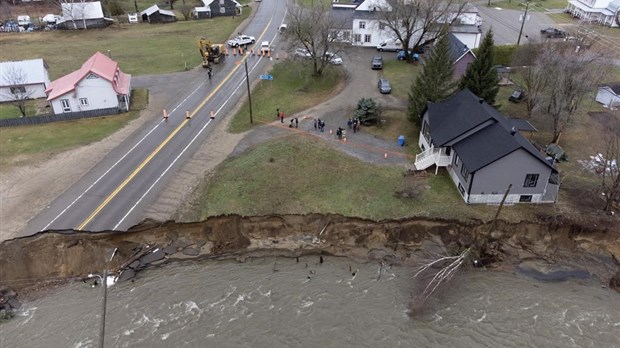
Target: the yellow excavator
pixel 211 53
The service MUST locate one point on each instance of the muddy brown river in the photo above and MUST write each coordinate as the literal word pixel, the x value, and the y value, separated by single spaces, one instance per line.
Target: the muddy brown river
pixel 279 302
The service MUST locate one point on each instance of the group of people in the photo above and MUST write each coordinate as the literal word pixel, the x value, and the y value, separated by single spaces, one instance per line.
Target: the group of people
pixel 354 123
pixel 319 124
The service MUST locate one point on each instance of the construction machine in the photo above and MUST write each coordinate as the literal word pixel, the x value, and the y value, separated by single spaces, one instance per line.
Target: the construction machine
pixel 211 53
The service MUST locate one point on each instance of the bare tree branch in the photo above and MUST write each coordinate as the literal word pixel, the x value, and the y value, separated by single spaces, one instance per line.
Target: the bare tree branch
pixel 18 91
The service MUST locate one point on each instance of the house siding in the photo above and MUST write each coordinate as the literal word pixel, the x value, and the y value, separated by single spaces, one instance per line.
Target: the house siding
pixel 490 183
pixel 471 40
pixel 98 92
pixel 36 91
pixel 158 18
pixel 461 65
pixel 229 8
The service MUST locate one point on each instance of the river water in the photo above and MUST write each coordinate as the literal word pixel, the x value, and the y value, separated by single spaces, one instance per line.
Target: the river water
pixel 279 302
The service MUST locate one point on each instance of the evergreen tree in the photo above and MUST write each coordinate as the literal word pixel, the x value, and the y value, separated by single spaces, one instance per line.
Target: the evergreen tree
pixel 434 83
pixel 480 77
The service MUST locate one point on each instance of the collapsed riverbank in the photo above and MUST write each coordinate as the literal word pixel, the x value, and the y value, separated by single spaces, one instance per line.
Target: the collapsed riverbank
pixel 556 249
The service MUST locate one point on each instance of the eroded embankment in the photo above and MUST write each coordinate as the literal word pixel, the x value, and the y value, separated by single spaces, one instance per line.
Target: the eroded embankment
pixel 545 247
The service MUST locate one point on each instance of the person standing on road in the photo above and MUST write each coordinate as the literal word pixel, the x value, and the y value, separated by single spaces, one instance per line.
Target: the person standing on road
pixel 296 123
pixel 277 113
pixel 281 116
pixel 315 124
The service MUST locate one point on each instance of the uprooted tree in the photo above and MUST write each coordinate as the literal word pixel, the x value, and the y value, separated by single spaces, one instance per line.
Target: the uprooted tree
pixel 416 23
pixel 316 31
pixel 18 92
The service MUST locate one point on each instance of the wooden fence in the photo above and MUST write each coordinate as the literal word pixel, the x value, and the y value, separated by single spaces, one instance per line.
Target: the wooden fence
pixel 32 120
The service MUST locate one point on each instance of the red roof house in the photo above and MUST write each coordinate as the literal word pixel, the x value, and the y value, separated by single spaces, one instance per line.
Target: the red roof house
pixel 98 85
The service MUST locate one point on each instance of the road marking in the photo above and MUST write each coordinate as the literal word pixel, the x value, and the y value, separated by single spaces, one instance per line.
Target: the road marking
pixel 119 160
pixel 239 85
pixel 150 157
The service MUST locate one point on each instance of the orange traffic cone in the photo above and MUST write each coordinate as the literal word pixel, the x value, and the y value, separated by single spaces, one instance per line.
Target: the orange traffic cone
pixel 234 51
pixel 277 56
pixel 344 140
pixel 165 115
pixel 226 51
pixel 187 115
pixel 212 115
pixel 330 131
pixel 385 155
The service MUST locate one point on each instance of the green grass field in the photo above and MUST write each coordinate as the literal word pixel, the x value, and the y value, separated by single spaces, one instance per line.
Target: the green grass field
pixel 401 76
pixel 138 48
pixel 298 175
pixel 539 6
pixel 292 89
pixel 23 145
pixel 8 110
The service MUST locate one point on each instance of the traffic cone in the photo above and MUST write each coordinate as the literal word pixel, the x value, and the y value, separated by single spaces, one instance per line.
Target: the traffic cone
pixel 252 51
pixel 277 56
pixel 212 115
pixel 165 115
pixel 385 155
pixel 330 131
pixel 234 51
pixel 269 53
pixel 226 51
pixel 344 140
pixel 187 115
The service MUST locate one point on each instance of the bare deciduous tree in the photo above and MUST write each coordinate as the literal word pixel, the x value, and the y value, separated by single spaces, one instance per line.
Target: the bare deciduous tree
pixel 528 76
pixel 18 91
pixel 571 75
pixel 610 174
pixel 186 11
pixel 73 10
pixel 317 31
pixel 417 23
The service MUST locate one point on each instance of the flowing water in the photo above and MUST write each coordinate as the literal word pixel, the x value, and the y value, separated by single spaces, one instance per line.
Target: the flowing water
pixel 279 302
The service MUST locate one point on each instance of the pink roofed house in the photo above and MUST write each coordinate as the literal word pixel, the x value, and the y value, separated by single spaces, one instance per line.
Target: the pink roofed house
pixel 98 85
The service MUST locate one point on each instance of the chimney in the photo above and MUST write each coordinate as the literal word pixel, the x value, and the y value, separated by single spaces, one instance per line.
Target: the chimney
pixel 513 131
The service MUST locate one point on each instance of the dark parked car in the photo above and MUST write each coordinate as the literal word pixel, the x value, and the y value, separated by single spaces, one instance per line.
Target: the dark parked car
pixel 402 55
pixel 553 33
pixel 377 63
pixel 516 96
pixel 384 86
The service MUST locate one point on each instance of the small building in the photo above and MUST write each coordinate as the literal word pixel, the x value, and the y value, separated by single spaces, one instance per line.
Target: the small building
pixel 23 79
pixel 201 12
pixel 154 14
pixel 98 85
pixel 461 56
pixel 82 15
pixel 484 152
pixel 604 12
pixel 222 7
pixel 609 95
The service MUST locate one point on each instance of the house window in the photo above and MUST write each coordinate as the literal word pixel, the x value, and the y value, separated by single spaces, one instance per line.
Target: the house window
pixel 66 107
pixel 92 76
pixel 222 9
pixel 83 102
pixel 367 38
pixel 530 180
pixel 461 189
pixel 465 173
pixel 357 37
pixel 362 25
pixel 448 150
pixel 426 131
pixel 457 161
pixel 381 26
pixel 346 35
pixel 18 90
pixel 525 198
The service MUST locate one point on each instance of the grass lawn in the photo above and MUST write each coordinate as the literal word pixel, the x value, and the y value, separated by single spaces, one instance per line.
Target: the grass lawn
pixel 297 175
pixel 401 76
pixel 540 6
pixel 8 110
pixel 292 89
pixel 138 48
pixel 42 141
pixel 394 123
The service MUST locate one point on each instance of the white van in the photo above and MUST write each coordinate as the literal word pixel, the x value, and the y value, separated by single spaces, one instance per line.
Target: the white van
pixel 390 45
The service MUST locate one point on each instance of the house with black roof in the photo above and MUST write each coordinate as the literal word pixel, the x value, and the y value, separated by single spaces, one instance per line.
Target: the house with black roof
pixel 484 152
pixel 461 56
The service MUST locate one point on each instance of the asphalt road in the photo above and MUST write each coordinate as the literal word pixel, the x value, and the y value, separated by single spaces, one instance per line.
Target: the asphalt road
pixel 506 24
pixel 114 194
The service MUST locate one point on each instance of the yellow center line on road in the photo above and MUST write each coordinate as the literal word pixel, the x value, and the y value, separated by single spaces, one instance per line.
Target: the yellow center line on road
pixel 161 146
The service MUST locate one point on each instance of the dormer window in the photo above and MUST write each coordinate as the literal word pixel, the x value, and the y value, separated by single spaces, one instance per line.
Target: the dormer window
pixel 91 76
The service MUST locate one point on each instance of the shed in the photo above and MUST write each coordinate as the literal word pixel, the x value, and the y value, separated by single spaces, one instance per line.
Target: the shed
pixel 609 95
pixel 154 14
pixel 28 77
pixel 201 12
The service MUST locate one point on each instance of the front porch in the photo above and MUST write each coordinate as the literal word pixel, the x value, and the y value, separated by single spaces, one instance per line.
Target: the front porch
pixel 441 157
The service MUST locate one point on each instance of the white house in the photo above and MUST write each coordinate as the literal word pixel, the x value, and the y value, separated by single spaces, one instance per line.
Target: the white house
pixel 27 78
pixel 82 15
pixel 609 95
pixel 368 30
pixel 98 84
pixel 604 12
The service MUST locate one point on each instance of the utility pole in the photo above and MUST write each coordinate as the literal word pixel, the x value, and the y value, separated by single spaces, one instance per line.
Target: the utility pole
pixel 247 80
pixel 104 283
pixel 527 6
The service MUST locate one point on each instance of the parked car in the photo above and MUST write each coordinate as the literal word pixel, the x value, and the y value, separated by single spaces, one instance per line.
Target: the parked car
pixel 50 19
pixel 384 86
pixel 553 33
pixel 241 40
pixel 516 96
pixel 333 58
pixel 377 63
pixel 402 55
pixel 24 21
pixel 390 45
pixel 302 52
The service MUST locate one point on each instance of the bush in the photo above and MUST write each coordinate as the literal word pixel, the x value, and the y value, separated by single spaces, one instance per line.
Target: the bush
pixel 367 112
